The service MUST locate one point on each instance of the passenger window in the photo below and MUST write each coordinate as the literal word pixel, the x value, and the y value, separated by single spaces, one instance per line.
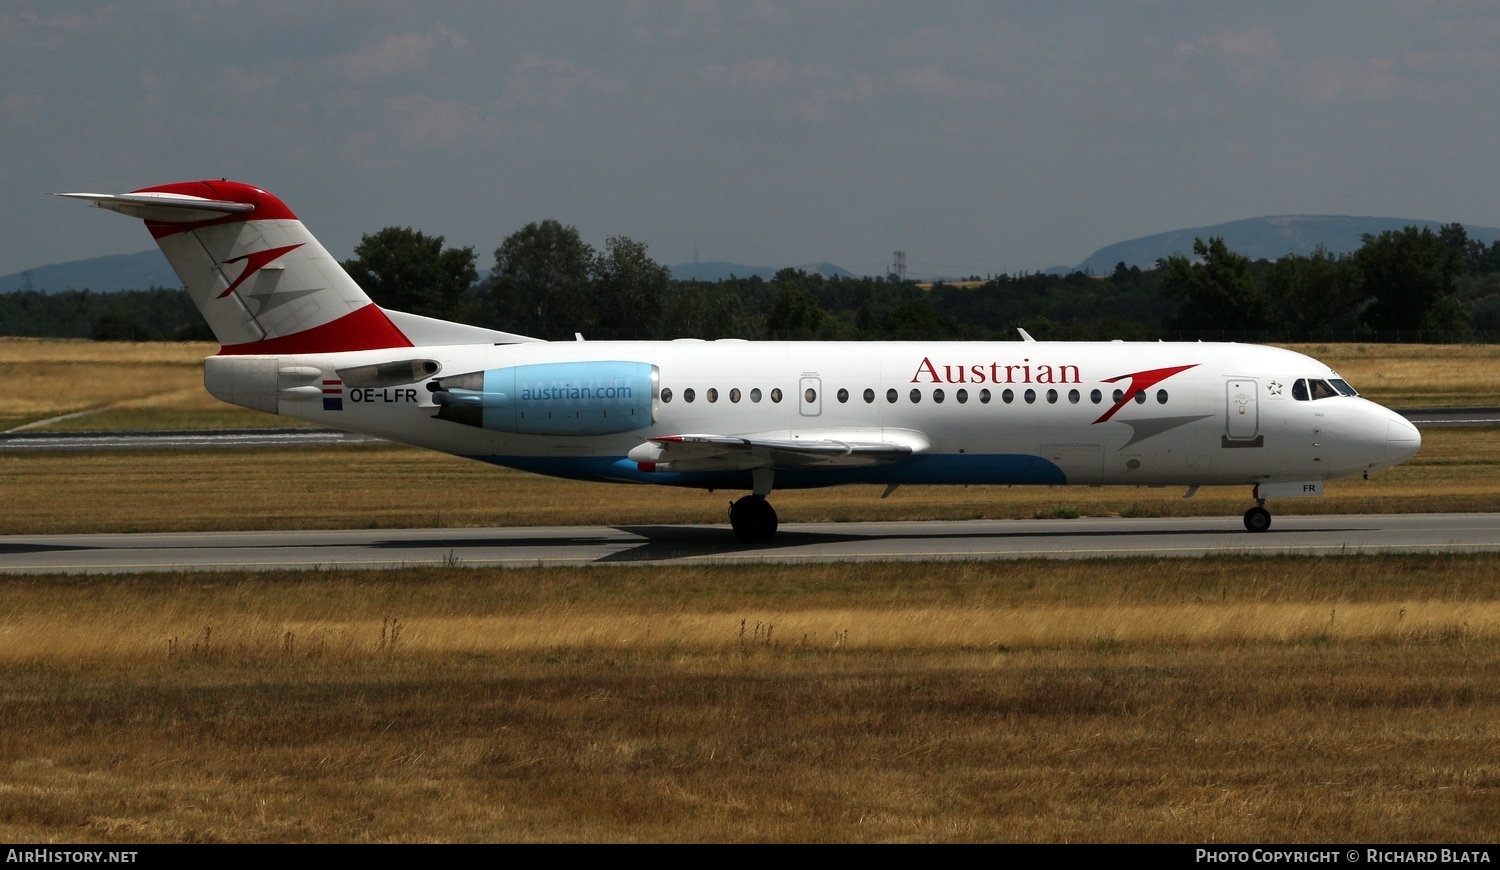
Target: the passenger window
pixel 687 395
pixel 713 394
pixel 1140 397
pixel 937 396
pixel 984 397
pixel 666 394
pixel 755 394
pixel 1052 397
pixel 1030 396
pixel 734 395
pixel 916 396
pixel 810 396
pixel 890 396
pixel 962 396
pixel 1096 397
pixel 869 395
pixel 843 395
pixel 1161 397
pixel 1073 397
pixel 1119 396
pixel 776 394
pixel 1007 396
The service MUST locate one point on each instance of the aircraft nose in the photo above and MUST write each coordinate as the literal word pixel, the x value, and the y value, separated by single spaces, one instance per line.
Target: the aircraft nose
pixel 1402 440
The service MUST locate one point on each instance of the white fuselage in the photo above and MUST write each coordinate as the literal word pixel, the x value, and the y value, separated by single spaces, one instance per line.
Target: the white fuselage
pixel 974 413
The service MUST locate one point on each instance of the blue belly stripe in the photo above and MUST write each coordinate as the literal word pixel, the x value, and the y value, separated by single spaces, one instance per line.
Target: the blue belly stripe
pixel 1000 469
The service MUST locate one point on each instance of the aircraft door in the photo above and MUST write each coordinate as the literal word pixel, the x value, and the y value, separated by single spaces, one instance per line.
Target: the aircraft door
pixel 1244 416
pixel 810 392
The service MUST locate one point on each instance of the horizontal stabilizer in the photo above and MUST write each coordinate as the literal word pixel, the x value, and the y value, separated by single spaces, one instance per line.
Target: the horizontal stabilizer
pixel 164 207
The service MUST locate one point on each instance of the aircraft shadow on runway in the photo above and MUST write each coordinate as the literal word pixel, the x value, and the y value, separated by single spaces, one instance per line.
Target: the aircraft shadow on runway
pixel 24 547
pixel 664 543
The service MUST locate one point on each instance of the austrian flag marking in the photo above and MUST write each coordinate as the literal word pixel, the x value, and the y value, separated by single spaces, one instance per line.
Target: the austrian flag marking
pixel 333 395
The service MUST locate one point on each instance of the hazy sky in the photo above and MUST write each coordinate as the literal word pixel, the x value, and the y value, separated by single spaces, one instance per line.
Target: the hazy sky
pixel 978 137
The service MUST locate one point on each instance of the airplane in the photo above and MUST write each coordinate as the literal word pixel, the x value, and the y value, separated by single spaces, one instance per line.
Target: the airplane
pixel 300 338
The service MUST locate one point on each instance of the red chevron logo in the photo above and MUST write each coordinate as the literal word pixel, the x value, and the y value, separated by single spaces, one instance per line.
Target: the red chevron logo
pixel 1140 382
pixel 256 261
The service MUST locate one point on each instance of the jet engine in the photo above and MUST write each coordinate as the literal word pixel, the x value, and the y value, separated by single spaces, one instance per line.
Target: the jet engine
pixel 601 397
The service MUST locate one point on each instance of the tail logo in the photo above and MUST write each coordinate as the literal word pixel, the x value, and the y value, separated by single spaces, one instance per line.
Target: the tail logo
pixel 256 261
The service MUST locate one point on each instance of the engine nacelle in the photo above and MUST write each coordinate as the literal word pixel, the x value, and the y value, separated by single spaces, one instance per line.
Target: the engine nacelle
pixel 602 397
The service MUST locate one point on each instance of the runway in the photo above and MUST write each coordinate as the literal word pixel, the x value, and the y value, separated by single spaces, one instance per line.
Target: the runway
pixel 178 439
pixel 716 545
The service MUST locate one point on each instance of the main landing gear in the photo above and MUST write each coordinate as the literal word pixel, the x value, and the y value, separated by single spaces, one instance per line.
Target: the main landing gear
pixel 752 517
pixel 1258 519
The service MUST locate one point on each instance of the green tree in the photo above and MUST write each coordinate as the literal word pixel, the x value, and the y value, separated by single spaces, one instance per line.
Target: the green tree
pixel 540 284
pixel 698 309
pixel 405 270
pixel 1409 274
pixel 796 315
pixel 1217 292
pixel 1318 297
pixel 627 288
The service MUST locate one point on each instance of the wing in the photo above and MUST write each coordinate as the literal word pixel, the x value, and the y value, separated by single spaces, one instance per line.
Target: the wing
pixel 828 448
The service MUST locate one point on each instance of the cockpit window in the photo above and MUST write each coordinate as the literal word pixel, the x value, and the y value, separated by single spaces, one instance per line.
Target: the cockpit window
pixel 1321 390
pixel 1343 387
pixel 1312 389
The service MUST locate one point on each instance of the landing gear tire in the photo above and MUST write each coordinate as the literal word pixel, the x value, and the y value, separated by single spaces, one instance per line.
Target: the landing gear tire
pixel 1257 519
pixel 753 519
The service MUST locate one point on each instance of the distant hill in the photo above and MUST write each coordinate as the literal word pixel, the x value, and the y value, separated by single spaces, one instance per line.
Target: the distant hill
pixel 102 274
pixel 718 271
pixel 1268 238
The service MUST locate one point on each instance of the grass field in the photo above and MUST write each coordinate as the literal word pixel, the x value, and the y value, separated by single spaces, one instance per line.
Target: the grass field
pixel 1219 700
pixel 113 385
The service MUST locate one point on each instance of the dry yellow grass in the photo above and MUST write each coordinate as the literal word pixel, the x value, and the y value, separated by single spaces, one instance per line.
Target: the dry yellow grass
pixel 113 385
pixel 1232 699
pixel 148 637
pixel 1416 376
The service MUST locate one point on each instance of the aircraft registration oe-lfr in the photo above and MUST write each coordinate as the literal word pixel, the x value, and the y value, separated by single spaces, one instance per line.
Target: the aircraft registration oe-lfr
pixel 299 338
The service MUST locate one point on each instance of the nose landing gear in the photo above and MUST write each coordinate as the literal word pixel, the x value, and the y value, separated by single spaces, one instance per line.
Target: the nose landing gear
pixel 1258 519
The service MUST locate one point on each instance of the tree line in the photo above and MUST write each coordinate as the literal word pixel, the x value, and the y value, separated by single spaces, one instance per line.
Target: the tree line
pixel 1408 285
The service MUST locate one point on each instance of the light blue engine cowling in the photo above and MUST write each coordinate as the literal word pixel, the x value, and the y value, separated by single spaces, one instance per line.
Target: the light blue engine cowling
pixel 579 398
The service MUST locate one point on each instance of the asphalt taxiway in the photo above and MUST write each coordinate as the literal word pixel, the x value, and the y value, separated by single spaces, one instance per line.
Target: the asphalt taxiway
pixel 710 545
